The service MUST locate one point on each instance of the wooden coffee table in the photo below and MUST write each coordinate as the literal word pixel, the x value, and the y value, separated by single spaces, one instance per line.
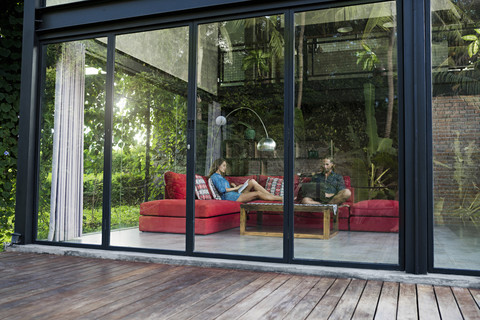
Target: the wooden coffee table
pixel 327 210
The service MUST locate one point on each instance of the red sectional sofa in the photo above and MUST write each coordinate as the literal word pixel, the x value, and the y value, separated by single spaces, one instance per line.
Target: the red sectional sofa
pixel 168 215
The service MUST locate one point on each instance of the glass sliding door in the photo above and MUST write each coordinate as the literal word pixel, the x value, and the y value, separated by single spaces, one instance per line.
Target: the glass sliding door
pixel 72 142
pixel 346 134
pixel 239 136
pixel 456 133
pixel 149 140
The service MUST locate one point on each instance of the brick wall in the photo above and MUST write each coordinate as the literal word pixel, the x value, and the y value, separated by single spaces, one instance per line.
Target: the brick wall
pixel 456 141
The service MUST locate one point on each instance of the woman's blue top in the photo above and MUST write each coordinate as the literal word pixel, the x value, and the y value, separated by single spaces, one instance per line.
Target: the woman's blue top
pixel 221 184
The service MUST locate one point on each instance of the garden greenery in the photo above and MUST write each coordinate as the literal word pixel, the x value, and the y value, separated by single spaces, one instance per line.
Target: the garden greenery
pixel 11 23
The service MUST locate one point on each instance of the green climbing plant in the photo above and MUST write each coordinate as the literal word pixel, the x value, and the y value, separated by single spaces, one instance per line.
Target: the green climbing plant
pixel 11 24
pixel 474 44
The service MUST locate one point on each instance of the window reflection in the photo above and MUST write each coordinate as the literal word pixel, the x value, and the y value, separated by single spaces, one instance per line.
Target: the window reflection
pixel 72 142
pixel 456 136
pixel 240 119
pixel 149 135
pixel 346 111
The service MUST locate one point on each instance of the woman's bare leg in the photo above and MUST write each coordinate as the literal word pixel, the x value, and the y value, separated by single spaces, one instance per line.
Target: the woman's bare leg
pixel 254 195
pixel 253 185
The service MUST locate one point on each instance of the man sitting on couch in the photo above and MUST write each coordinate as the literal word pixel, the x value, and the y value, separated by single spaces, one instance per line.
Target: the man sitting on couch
pixel 326 187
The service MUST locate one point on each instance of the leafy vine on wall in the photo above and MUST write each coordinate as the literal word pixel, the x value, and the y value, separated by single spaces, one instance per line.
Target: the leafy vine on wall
pixel 11 24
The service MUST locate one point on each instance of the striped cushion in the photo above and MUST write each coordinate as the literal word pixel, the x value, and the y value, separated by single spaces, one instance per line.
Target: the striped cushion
pixel 215 193
pixel 274 186
pixel 201 189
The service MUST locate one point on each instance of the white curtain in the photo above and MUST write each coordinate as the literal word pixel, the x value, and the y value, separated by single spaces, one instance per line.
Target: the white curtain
pixel 66 211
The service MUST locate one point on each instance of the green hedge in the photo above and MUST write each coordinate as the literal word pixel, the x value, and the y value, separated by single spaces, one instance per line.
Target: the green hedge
pixel 121 217
pixel 11 23
pixel 127 189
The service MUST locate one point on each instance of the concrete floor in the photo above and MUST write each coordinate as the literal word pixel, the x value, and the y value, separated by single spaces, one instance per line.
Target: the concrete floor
pixel 454 248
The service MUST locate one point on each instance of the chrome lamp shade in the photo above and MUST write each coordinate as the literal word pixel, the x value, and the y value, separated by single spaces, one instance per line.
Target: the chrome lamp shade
pixel 266 144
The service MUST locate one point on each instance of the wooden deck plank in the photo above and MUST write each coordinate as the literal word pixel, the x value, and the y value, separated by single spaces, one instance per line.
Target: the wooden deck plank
pixel 228 302
pixel 22 260
pixel 117 306
pixel 111 293
pixel 329 301
pixel 287 304
pixel 183 299
pixel 427 303
pixel 62 287
pixel 7 256
pixel 247 303
pixel 276 297
pixel 476 295
pixel 210 302
pixel 367 305
pixel 388 301
pixel 52 267
pixel 36 288
pixel 107 291
pixel 83 293
pixel 51 275
pixel 447 304
pixel 347 304
pixel 32 272
pixel 407 302
pixel 56 290
pixel 466 303
pixel 310 300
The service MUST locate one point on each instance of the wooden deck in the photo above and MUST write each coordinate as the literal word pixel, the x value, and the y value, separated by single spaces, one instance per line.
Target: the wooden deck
pixel 41 286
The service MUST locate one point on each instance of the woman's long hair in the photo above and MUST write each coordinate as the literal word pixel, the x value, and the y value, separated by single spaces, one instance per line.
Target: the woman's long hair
pixel 214 167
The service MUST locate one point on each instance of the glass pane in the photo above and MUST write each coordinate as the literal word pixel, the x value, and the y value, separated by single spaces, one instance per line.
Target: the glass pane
pixel 72 142
pixel 456 133
pixel 346 134
pixel 240 125
pixel 149 140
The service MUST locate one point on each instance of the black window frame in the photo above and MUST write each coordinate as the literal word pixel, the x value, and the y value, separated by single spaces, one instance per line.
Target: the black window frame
pixel 88 19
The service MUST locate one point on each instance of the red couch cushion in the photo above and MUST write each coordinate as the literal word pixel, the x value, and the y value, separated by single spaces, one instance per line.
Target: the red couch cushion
pixel 175 185
pixel 378 224
pixel 177 225
pixel 375 208
pixel 177 208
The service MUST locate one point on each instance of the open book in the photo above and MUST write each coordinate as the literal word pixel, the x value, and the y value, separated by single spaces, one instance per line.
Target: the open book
pixel 244 185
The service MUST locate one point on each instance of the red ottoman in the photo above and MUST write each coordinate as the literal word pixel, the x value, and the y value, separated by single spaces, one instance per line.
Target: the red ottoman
pixel 375 215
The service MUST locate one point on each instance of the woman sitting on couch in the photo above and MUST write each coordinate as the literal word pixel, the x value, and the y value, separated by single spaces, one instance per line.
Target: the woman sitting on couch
pixel 253 191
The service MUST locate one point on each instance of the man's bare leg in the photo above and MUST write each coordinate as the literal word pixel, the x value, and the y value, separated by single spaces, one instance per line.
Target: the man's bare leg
pixel 308 200
pixel 341 197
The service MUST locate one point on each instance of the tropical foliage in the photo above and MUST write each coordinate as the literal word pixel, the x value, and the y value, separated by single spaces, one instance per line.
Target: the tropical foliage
pixel 11 23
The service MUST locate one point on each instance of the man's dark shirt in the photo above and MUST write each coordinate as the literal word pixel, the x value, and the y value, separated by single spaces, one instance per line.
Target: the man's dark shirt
pixel 318 186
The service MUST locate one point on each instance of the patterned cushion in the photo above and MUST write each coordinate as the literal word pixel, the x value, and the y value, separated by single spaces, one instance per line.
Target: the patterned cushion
pixel 201 189
pixel 215 193
pixel 274 186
